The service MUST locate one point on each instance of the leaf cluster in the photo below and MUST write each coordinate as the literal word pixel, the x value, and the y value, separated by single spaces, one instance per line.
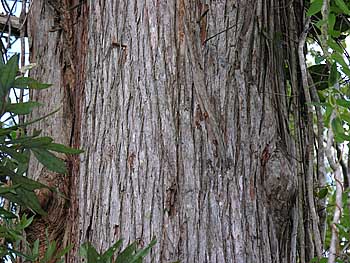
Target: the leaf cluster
pixel 331 77
pixel 16 146
pixel 131 254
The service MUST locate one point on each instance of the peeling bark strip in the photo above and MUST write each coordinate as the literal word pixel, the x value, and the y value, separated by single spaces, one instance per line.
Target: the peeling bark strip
pixel 183 125
pixel 58 44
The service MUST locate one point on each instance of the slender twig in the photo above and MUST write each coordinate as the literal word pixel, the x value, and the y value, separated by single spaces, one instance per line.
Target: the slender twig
pixel 5 6
pixel 23 54
pixel 342 164
pixel 219 33
pixel 8 18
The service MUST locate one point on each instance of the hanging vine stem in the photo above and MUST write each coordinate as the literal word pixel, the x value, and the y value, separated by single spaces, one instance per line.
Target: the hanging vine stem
pixel 338 178
pixel 309 150
pixel 320 160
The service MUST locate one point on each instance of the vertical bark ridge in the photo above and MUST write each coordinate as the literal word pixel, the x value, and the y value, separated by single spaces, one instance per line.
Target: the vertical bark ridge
pixel 59 49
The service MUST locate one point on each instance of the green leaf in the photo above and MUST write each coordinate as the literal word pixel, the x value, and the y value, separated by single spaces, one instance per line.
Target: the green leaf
pixel 49 160
pixel 88 252
pixel 22 107
pixel 63 149
pixel 20 157
pixel 22 168
pixel 64 251
pixel 337 126
pixel 341 137
pixel 8 73
pixel 335 46
pixel 320 23
pixel 345 117
pixel 127 254
pixel 341 4
pixel 21 140
pixel 6 214
pixel 20 254
pixel 320 75
pixel 25 222
pixel 35 251
pixel 30 200
pixel 346 70
pixel 106 257
pixel 5 131
pixel 339 58
pixel 334 75
pixel 343 103
pixel 41 142
pixel 322 193
pixel 25 182
pixel 331 22
pixel 315 7
pixel 143 252
pixel 8 189
pixel 26 199
pixel 25 83
pixel 345 219
pixel 49 252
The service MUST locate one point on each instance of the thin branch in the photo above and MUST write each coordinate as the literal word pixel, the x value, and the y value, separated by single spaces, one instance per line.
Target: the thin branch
pixel 343 165
pixel 22 19
pixel 219 33
pixel 5 6
pixel 6 20
pixel 7 25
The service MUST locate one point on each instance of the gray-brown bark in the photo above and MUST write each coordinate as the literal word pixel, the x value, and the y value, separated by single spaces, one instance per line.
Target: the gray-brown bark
pixel 184 122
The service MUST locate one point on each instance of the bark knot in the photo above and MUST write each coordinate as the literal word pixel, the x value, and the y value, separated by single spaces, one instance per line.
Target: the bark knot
pixel 280 186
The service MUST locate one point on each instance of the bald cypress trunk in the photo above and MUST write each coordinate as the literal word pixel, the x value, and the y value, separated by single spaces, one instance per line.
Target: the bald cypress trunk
pixel 189 128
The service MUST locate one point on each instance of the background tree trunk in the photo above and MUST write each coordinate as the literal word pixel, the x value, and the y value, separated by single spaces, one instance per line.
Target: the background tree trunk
pixel 182 110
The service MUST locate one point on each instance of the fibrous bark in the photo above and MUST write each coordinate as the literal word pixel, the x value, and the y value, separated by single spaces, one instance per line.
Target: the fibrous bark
pixel 185 122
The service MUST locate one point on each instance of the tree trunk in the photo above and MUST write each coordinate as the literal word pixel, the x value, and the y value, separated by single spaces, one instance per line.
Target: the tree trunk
pixel 186 119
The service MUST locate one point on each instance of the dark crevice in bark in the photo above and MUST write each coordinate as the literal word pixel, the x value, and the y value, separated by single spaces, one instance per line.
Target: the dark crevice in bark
pixel 76 23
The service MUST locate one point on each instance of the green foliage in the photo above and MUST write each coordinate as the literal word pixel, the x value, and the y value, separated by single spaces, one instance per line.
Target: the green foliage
pixel 331 77
pixel 13 231
pixel 15 149
pixel 320 75
pixel 16 146
pixel 131 254
pixel 343 226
